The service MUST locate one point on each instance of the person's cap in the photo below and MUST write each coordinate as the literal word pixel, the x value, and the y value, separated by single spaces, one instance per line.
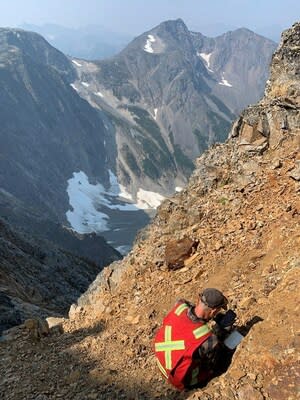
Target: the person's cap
pixel 213 298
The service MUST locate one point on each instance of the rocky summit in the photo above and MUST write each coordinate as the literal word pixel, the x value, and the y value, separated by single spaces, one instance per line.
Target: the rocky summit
pixel 237 228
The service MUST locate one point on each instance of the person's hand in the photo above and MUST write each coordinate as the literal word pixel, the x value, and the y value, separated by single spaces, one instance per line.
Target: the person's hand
pixel 224 323
pixel 225 320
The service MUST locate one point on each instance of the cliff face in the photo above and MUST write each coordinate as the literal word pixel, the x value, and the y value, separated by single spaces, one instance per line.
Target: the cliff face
pixel 242 211
pixel 267 124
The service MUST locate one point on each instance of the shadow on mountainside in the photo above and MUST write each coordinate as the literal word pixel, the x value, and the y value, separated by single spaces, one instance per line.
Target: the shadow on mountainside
pixel 245 329
pixel 72 365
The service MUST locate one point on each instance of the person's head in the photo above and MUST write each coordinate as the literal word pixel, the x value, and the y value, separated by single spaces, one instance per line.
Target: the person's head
pixel 211 301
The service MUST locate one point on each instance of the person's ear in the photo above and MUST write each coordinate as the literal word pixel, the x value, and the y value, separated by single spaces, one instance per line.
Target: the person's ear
pixel 214 311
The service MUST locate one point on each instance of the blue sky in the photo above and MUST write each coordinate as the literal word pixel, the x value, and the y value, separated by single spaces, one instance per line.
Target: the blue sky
pixel 137 16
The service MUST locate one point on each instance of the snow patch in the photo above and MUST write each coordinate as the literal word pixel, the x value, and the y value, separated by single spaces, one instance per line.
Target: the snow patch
pixel 83 198
pixel 114 189
pixel 148 46
pixel 224 82
pixel 87 199
pixel 99 94
pixel 123 249
pixel 73 86
pixel 86 84
pixel 178 189
pixel 155 113
pixel 206 58
pixel 76 63
pixel 147 199
pixel 124 194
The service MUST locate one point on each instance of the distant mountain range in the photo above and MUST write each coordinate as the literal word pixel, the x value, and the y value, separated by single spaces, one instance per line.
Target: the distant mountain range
pixel 272 31
pixel 92 144
pixel 93 42
pixel 90 42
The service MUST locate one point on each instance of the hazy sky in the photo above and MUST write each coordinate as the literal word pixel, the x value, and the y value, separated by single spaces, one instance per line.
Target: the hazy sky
pixel 137 16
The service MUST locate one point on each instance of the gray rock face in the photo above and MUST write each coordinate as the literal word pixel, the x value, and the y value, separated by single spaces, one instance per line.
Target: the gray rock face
pixel 240 58
pixel 47 133
pixel 170 94
pixel 269 123
pixel 285 68
pixel 16 43
pixel 45 126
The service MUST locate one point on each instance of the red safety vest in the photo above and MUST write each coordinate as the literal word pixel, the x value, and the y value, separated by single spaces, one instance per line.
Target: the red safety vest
pixel 175 343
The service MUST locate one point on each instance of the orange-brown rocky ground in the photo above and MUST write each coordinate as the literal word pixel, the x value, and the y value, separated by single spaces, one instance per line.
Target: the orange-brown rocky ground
pixel 249 247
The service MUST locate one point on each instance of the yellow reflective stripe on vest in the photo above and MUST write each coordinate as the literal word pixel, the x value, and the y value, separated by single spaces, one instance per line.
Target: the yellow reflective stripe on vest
pixel 162 370
pixel 202 331
pixel 168 346
pixel 179 310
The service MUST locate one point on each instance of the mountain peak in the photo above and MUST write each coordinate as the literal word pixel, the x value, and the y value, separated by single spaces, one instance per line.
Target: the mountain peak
pixel 173 26
pixel 175 22
pixel 33 45
pixel 19 34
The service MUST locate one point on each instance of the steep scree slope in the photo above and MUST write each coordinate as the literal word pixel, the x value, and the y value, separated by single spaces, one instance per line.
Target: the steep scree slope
pixel 242 206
